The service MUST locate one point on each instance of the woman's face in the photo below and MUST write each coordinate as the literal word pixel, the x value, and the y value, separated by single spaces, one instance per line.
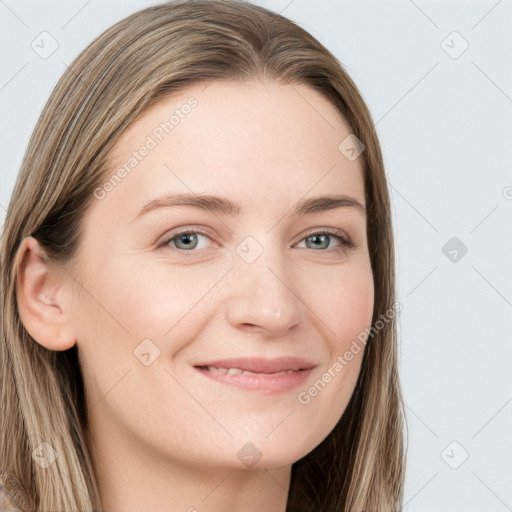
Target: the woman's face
pixel 172 287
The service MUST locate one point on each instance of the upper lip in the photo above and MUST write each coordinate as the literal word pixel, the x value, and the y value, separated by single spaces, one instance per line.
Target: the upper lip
pixel 261 364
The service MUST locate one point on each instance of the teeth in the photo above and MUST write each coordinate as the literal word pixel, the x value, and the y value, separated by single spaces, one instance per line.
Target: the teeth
pixel 238 371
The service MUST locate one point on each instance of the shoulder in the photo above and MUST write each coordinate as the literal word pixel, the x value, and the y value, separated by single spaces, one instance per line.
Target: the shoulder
pixel 12 497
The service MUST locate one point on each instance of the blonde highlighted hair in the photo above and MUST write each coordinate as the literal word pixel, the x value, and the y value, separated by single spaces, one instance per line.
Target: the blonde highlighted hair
pixel 163 49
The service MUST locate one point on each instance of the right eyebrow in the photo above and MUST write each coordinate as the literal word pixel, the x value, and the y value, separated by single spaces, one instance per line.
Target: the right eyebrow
pixel 204 202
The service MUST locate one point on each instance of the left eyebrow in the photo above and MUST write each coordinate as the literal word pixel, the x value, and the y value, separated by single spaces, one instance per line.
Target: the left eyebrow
pixel 225 206
pixel 324 203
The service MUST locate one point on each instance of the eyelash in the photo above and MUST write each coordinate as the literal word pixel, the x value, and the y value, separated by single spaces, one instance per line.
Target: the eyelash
pixel 345 242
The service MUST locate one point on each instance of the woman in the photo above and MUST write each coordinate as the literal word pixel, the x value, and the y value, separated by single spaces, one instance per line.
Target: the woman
pixel 175 335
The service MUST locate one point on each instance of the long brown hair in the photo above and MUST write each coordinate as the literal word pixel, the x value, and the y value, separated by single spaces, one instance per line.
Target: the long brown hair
pixel 135 63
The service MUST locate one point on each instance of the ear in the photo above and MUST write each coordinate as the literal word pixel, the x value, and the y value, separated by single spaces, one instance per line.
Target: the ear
pixel 43 296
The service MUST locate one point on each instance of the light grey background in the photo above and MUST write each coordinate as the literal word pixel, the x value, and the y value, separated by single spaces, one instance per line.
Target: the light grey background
pixel 444 118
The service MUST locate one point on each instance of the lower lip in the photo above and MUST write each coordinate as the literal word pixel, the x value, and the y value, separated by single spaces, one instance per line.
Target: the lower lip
pixel 267 383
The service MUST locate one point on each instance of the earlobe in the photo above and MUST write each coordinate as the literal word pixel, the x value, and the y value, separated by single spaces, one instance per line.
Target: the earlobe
pixel 42 298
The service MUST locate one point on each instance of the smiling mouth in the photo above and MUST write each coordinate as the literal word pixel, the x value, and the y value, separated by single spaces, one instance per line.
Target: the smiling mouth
pixel 239 371
pixel 266 381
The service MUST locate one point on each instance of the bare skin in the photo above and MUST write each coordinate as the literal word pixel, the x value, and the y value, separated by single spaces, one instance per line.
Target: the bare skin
pixel 164 436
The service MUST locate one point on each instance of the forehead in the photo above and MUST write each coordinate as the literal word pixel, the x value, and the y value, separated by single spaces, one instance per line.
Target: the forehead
pixel 254 141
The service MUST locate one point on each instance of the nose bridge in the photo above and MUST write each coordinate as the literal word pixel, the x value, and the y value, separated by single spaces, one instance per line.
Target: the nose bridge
pixel 262 293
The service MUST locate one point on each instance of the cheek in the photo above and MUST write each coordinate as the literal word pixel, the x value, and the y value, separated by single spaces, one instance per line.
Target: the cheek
pixel 352 318
pixel 149 300
pixel 344 303
pixel 120 305
pixel 354 309
pixel 125 304
pixel 346 310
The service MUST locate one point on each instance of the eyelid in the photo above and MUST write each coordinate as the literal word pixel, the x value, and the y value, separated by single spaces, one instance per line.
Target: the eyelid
pixel 340 233
pixel 173 233
pixel 345 240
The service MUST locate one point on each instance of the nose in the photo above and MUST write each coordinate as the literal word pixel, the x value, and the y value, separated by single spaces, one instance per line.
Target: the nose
pixel 262 296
